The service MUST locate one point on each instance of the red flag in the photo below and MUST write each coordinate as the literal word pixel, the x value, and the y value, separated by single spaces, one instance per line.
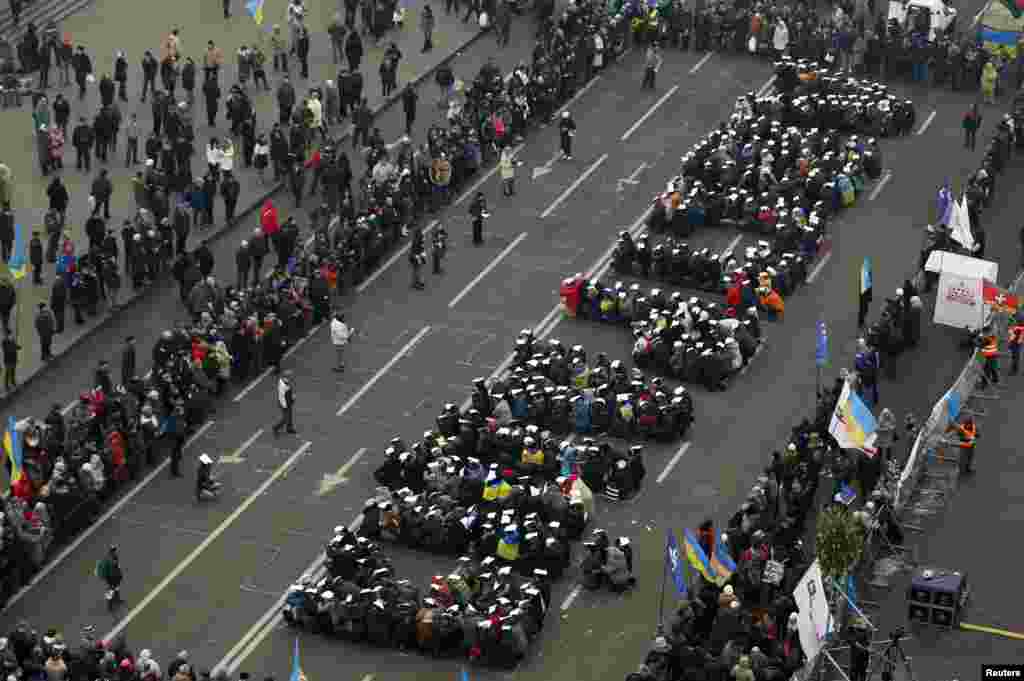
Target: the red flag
pixel 1001 300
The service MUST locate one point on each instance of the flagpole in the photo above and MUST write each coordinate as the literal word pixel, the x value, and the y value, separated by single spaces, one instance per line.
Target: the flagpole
pixel 661 599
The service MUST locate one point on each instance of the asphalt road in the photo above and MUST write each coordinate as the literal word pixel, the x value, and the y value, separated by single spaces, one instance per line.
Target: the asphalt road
pixel 102 30
pixel 200 578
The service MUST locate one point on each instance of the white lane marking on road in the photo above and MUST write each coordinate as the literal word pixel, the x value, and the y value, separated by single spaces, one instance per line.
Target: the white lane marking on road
pixel 332 480
pixel 262 621
pixel 552 318
pixel 733 243
pixel 487 270
pixel 210 538
pixel 567 603
pixel 764 88
pixel 702 62
pixel 672 462
pixel 650 112
pixel 244 392
pixel 880 186
pixel 927 122
pixel 574 186
pixel 383 370
pixel 89 531
pixel 368 677
pixel 817 268
pixel 236 456
pixel 393 259
pixel 576 97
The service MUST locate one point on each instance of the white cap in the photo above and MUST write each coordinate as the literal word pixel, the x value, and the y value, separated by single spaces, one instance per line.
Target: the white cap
pixel 205 458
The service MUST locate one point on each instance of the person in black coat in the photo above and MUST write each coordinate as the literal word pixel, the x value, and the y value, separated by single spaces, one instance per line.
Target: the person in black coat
pixel 409 99
pixel 6 233
pixel 302 52
pixel 121 76
pixel 188 78
pixel 8 298
pixel 204 259
pixel 211 92
pixel 35 258
pixel 230 189
pixel 61 112
pixel 58 303
pixel 128 360
pixel 82 138
pixel 149 68
pixel 82 65
pixel 107 90
pixel 354 50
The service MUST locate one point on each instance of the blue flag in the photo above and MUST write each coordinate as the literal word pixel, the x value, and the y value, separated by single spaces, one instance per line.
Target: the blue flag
pixel 866 279
pixel 675 563
pixel 297 674
pixel 18 262
pixel 944 208
pixel 847 494
pixel 953 405
pixel 821 347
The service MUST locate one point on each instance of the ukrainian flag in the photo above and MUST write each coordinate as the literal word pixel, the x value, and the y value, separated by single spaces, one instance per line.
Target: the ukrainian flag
pixel 255 9
pixel 721 562
pixel 12 447
pixel 697 558
pixel 297 673
pixel 18 264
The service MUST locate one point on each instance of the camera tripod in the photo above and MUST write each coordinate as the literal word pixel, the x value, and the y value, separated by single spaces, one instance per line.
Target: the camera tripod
pixel 886 662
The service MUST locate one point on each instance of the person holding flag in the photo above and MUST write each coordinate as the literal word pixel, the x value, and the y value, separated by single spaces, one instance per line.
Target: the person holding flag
pixel 1015 339
pixel 866 283
pixel 675 566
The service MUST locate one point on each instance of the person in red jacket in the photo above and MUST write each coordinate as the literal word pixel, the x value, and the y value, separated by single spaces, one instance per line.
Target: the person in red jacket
pixel 268 219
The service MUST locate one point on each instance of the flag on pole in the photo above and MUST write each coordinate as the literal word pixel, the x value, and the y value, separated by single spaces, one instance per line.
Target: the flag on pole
pixel 1000 299
pixel 255 9
pixel 722 562
pixel 866 280
pixel 697 558
pixel 18 263
pixel 945 204
pixel 12 448
pixel 465 674
pixel 675 564
pixel 297 673
pixel 821 346
pixel 960 225
pixel 853 425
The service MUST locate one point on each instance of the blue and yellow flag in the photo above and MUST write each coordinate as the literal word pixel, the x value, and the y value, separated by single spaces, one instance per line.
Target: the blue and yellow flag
pixel 721 562
pixel 297 673
pixel 853 425
pixel 12 447
pixel 697 558
pixel 18 263
pixel 255 9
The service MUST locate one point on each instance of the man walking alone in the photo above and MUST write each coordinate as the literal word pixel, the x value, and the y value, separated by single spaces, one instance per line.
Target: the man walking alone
pixel 286 401
pixel 341 334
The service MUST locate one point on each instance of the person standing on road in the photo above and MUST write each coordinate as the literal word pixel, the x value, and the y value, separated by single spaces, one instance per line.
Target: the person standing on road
pixel 149 68
pixel 507 166
pixel 417 258
pixel 230 189
pixel 6 233
pixel 102 189
pixel 211 93
pixel 58 302
pixel 362 118
pixel 478 212
pixel 243 263
pixel 286 402
pixel 8 299
pixel 340 336
pixel 566 131
pixel 45 327
pixel 652 64
pixel 82 138
pixel 35 258
pixel 354 50
pixel 128 361
pixel 971 123
pixel 82 65
pixel 427 27
pixel 258 249
pixel 409 100
pixel 109 570
pixel 10 352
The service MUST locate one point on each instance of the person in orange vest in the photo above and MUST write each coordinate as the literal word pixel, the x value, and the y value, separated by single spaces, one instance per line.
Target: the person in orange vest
pixel 967 430
pixel 989 346
pixel 1015 339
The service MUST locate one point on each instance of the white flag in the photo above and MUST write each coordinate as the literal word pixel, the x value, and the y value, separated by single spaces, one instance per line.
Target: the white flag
pixel 960 225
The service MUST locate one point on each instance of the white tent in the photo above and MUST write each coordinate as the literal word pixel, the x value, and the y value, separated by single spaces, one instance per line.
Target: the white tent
pixel 959 301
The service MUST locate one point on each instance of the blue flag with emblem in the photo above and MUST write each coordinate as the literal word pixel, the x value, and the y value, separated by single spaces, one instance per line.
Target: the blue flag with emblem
pixel 821 345
pixel 675 563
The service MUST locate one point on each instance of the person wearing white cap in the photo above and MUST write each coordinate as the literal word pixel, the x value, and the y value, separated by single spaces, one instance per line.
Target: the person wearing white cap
pixel 566 131
pixel 205 483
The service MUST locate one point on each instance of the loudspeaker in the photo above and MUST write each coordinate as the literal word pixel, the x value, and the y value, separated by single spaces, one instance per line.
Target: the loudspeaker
pixel 935 596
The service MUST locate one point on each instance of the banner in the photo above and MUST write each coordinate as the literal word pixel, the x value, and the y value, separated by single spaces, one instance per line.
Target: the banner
pixel 961 300
pixel 675 564
pixel 813 614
